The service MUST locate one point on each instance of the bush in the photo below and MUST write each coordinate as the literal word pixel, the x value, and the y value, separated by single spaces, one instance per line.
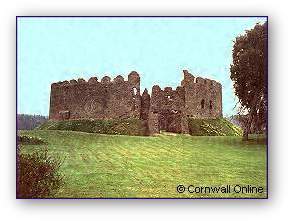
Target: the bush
pixel 37 175
pixel 23 139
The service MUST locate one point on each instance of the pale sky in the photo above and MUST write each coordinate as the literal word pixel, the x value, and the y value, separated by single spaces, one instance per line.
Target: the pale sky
pixel 58 49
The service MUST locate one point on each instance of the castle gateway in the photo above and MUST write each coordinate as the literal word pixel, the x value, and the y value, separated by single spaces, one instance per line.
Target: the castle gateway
pixel 165 109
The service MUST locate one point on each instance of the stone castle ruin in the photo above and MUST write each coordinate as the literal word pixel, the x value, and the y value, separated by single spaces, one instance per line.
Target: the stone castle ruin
pixel 166 109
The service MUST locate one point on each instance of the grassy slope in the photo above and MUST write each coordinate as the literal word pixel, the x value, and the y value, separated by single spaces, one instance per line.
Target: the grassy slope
pixel 122 126
pixel 131 166
pixel 197 127
pixel 213 127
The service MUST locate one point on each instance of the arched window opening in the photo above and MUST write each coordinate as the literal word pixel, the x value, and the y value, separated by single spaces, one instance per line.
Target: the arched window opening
pixel 210 105
pixel 202 103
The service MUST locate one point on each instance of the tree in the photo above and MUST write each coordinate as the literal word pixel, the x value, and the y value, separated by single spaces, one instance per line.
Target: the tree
pixel 249 75
pixel 29 122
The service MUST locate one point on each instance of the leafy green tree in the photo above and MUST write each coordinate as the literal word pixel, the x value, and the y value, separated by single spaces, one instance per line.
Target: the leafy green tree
pixel 249 75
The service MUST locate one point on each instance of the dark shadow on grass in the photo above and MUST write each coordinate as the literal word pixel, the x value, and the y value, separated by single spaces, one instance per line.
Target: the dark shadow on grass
pixel 238 141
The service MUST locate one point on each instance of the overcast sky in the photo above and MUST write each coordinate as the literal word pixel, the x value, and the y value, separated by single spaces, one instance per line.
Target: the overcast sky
pixel 57 49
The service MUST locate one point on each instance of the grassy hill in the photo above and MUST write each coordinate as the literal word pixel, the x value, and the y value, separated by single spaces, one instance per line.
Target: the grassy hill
pixel 197 127
pixel 213 127
pixel 122 126
pixel 97 165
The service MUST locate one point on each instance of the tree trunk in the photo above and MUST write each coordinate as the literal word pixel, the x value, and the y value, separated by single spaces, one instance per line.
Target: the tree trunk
pixel 248 125
pixel 245 134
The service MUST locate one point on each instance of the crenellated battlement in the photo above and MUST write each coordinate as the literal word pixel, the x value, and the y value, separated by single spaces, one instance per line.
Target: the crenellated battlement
pixel 133 78
pixel 189 79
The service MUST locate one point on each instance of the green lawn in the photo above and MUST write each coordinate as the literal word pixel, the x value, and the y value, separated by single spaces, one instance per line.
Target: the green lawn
pixel 116 166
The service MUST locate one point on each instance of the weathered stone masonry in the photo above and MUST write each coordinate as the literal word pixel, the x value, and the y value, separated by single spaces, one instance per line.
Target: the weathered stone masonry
pixel 165 109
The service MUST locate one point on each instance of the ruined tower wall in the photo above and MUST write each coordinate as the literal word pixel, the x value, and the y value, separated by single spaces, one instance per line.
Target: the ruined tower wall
pixel 166 109
pixel 98 100
pixel 145 105
pixel 203 97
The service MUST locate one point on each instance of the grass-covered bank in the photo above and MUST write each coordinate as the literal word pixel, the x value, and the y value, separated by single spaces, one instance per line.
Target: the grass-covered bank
pixel 197 127
pixel 98 165
pixel 117 127
pixel 213 127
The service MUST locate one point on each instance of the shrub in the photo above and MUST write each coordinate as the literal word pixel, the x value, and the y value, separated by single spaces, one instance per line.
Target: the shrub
pixel 37 175
pixel 23 139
